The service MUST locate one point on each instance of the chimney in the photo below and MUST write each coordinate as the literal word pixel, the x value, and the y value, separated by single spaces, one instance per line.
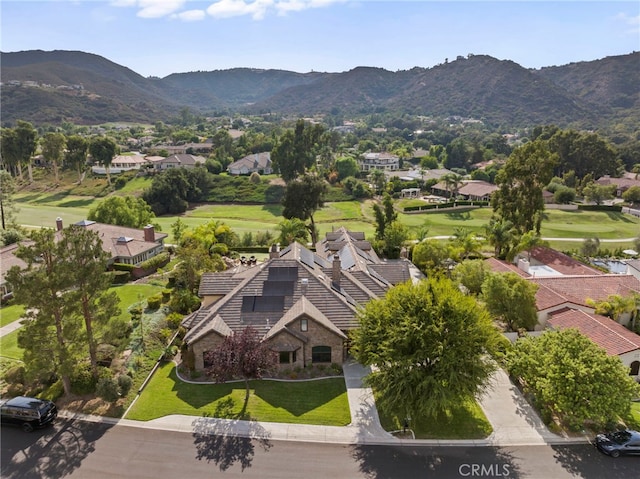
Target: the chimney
pixel 59 223
pixel 274 252
pixel 149 233
pixel 336 270
pixel 523 265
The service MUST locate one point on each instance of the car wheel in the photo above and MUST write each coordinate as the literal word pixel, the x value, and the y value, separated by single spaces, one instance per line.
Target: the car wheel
pixel 615 453
pixel 26 427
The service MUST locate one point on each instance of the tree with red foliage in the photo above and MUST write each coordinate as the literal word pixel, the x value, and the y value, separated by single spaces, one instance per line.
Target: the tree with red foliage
pixel 241 355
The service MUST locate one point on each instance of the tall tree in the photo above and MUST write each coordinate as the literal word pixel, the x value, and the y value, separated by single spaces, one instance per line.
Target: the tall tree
pixel 378 179
pixel 52 145
pixel 598 193
pixel 302 198
pixel 7 205
pixel 129 211
pixel 291 230
pixel 521 181
pixel 10 152
pixel 295 152
pixel 241 355
pixel 27 141
pixel 50 336
pixel 429 344
pixel 103 150
pixel 572 378
pixel 87 261
pixel 76 155
pixel 500 234
pixel 511 300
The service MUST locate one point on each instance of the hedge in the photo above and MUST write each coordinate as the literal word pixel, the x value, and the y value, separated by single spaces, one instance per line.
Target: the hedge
pixel 439 206
pixel 156 262
pixel 123 267
pixel 616 208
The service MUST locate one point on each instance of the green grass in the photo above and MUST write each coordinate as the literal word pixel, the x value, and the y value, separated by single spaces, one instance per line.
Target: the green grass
pixel 467 421
pixel 130 294
pixel 322 402
pixel 9 346
pixel 635 414
pixel 9 314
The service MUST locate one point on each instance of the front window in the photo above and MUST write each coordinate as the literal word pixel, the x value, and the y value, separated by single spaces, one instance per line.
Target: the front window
pixel 321 354
pixel 304 325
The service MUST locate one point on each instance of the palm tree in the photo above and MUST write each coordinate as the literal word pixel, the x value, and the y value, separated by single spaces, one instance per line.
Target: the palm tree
pixel 500 235
pixel 291 230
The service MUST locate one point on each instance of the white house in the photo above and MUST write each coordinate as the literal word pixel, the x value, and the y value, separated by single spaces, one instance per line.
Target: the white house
pixel 256 162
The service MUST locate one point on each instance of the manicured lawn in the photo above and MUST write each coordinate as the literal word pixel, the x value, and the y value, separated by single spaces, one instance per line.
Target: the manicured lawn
pixel 467 421
pixel 45 215
pixel 9 346
pixel 321 402
pixel 9 314
pixel 635 414
pixel 130 294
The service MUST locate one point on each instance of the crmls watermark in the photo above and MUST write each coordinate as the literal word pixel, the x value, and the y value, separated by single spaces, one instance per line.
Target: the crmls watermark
pixel 484 470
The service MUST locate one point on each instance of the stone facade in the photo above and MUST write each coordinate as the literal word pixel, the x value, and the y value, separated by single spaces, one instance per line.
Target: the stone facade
pixel 208 343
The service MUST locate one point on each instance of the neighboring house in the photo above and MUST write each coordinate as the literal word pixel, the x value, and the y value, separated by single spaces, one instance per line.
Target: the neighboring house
pixel 472 190
pixel 302 304
pixel 178 161
pixel 614 338
pixel 125 245
pixel 622 184
pixel 410 193
pixel 565 288
pixel 121 163
pixel 8 259
pixel 379 161
pixel 257 162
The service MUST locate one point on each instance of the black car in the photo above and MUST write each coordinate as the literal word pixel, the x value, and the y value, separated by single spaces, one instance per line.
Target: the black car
pixel 619 442
pixel 28 413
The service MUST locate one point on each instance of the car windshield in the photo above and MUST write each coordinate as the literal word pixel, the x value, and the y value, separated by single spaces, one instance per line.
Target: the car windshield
pixel 620 437
pixel 44 407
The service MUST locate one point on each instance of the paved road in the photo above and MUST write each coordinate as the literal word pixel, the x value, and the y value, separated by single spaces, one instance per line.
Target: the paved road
pixel 79 449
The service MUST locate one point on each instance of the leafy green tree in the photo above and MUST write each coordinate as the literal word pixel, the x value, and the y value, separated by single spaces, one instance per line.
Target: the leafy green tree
pixel 384 215
pixel 501 235
pixel 598 194
pixel 103 150
pixel 7 204
pixel 27 142
pixel 10 156
pixel 614 306
pixel 521 181
pixel 241 355
pixel 51 333
pixel 178 228
pixel 590 246
pixel 632 195
pixel 76 154
pixel 128 211
pixel 302 198
pixel 346 166
pixel 378 179
pixel 583 153
pixel 471 274
pixel 431 256
pixel 511 300
pixel 564 195
pixel 395 236
pixel 87 261
pixel 466 243
pixel 53 145
pixel 295 153
pixel 172 190
pixel 527 242
pixel 292 230
pixel 572 378
pixel 430 345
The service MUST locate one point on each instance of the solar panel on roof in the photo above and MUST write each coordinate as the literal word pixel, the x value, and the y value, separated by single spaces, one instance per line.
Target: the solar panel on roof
pixel 277 288
pixel 283 273
pixel 306 257
pixel 269 303
pixel 346 259
pixel 247 303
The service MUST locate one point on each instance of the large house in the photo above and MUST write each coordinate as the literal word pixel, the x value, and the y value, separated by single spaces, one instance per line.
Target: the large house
pixel 302 304
pixel 565 295
pixel 379 161
pixel 177 161
pixel 256 162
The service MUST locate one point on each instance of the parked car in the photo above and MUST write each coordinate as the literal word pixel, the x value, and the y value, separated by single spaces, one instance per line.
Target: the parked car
pixel 619 442
pixel 28 413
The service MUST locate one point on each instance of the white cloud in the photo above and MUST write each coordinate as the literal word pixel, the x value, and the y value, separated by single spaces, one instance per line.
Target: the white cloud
pixel 632 21
pixel 236 8
pixel 151 8
pixel 190 15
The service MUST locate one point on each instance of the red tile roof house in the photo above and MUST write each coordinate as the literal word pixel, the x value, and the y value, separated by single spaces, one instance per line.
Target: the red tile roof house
pixel 564 286
pixel 302 304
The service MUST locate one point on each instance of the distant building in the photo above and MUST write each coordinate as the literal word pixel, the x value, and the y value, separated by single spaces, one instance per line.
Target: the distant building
pixel 176 161
pixel 256 162
pixel 379 161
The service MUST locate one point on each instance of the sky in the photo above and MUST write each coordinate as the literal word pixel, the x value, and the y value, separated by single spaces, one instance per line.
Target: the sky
pixel 160 37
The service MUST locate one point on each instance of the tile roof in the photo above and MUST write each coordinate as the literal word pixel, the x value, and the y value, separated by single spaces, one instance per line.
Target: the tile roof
pixel 560 262
pixel 577 289
pixel 8 259
pixel 477 188
pixel 121 241
pixel 500 266
pixel 255 161
pixel 614 338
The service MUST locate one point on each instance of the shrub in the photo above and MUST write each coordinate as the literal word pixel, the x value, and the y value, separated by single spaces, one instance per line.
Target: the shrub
pixel 15 374
pixel 166 295
pixel 53 392
pixel 174 320
pixel 82 381
pixel 124 384
pixel 123 267
pixel 154 302
pixel 120 277
pixel 107 389
pixel 16 389
pixel 255 178
pixel 156 262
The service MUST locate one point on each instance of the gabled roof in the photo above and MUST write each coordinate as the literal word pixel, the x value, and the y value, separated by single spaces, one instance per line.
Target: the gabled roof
pixel 255 161
pixel 477 188
pixel 112 236
pixel 499 266
pixel 561 262
pixel 215 325
pixel 303 308
pixel 577 289
pixel 614 338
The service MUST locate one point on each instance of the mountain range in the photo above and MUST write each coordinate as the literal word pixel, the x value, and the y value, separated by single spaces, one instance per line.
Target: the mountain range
pixel 84 88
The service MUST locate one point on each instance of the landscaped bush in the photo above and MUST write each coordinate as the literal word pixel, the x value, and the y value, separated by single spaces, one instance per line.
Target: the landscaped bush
pixel 82 381
pixel 616 208
pixel 53 392
pixel 154 302
pixel 15 374
pixel 156 262
pixel 173 320
pixel 123 267
pixel 124 384
pixel 107 389
pixel 120 277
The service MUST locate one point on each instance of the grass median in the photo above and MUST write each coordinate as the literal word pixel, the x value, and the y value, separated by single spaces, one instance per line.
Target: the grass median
pixel 320 402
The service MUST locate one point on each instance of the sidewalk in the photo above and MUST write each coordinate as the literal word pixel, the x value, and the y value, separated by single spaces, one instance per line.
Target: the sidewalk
pixel 10 328
pixel 514 422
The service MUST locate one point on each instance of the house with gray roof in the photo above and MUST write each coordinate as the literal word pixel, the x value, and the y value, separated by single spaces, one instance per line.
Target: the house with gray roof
pixel 301 303
pixel 256 162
